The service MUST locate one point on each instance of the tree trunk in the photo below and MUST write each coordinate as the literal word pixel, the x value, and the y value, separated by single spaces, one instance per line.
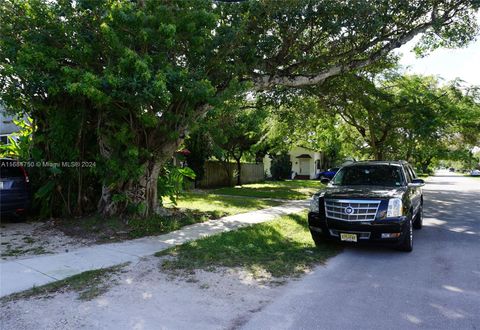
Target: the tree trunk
pixel 228 171
pixel 138 195
pixel 239 172
pixel 377 149
pixel 425 164
pixel 379 154
pixel 141 194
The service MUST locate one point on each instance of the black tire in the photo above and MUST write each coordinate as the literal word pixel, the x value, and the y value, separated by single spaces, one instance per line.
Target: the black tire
pixel 407 244
pixel 318 238
pixel 14 218
pixel 418 223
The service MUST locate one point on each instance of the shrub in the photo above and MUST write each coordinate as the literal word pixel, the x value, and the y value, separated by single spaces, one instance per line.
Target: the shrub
pixel 281 167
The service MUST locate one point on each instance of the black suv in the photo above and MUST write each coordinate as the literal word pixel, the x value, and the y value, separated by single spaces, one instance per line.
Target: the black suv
pixel 15 194
pixel 371 201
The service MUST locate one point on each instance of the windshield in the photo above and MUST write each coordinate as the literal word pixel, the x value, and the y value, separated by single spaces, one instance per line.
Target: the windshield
pixel 369 175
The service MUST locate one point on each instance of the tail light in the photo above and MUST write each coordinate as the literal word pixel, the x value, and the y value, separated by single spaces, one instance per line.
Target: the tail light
pixel 25 175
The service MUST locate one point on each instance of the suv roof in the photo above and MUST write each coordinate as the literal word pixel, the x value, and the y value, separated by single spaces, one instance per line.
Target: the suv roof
pixel 379 162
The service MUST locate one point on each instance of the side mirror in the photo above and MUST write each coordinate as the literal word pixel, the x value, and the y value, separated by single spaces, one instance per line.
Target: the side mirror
pixel 417 183
pixel 325 181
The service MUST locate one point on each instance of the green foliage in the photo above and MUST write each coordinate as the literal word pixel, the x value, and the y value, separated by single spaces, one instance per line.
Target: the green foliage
pixel 43 196
pixel 302 121
pixel 20 143
pixel 228 133
pixel 394 116
pixel 171 182
pixel 281 167
pixel 200 145
pixel 157 225
pixel 120 82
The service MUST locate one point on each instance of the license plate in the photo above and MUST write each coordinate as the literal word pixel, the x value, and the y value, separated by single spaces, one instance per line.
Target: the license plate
pixel 348 237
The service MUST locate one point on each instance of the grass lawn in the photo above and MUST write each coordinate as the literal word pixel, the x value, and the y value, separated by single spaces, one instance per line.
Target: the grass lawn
pixel 221 205
pixel 281 247
pixel 88 285
pixel 288 189
pixel 468 175
pixel 114 229
pixel 191 208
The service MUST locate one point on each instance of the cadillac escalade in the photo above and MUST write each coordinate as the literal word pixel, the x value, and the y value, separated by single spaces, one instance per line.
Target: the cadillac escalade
pixel 371 201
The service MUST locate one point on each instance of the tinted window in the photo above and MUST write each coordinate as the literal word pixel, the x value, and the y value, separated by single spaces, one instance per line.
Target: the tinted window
pixel 8 169
pixel 408 174
pixel 412 172
pixel 369 175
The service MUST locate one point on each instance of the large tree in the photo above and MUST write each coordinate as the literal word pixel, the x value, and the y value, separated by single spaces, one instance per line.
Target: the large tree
pixel 405 117
pixel 229 133
pixel 135 74
pixel 300 120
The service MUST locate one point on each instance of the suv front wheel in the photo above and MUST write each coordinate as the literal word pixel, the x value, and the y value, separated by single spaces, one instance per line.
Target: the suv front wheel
pixel 407 244
pixel 317 238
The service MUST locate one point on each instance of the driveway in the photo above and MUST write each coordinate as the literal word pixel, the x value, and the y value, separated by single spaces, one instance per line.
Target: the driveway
pixel 437 286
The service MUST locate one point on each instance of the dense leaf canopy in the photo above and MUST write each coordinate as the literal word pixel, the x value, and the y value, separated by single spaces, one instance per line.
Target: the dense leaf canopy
pixel 120 81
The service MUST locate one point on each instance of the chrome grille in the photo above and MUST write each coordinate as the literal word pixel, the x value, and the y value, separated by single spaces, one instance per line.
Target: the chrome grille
pixel 351 210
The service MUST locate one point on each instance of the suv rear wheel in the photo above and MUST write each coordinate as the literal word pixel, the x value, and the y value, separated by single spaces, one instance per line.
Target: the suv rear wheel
pixel 418 223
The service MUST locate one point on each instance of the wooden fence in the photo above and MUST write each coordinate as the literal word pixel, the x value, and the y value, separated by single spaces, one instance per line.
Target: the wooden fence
pixel 218 174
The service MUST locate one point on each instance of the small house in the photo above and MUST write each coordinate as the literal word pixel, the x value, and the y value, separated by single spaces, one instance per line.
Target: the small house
pixel 305 162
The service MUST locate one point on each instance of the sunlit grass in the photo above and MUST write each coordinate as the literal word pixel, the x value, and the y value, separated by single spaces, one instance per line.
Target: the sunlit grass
pixel 288 189
pixel 282 247
pixel 223 205
pixel 87 285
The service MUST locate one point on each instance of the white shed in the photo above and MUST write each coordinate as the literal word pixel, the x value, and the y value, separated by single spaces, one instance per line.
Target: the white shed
pixel 306 163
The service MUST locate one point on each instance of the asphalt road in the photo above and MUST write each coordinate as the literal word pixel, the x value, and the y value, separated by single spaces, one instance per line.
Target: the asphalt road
pixel 437 286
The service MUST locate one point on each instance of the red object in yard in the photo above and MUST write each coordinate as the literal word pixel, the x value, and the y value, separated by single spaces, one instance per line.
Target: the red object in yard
pixel 184 152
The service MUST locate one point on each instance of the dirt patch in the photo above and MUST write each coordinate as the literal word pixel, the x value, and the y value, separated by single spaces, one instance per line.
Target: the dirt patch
pixel 146 297
pixel 87 285
pixel 107 230
pixel 21 240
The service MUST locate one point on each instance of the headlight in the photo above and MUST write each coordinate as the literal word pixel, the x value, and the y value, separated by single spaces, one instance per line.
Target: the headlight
pixel 395 208
pixel 314 207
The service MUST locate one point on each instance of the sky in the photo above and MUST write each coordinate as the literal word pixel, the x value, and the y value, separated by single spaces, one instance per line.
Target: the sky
pixel 463 63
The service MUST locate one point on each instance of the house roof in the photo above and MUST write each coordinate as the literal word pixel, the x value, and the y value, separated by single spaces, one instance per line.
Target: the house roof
pixel 304 156
pixel 316 150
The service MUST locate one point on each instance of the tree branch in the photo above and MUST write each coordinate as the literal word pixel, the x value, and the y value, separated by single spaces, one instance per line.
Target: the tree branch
pixel 265 82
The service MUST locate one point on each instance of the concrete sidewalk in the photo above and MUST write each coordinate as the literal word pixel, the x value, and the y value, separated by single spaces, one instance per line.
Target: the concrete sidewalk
pixel 19 275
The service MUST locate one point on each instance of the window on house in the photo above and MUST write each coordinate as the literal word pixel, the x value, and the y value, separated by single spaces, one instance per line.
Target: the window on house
pixel 4 139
